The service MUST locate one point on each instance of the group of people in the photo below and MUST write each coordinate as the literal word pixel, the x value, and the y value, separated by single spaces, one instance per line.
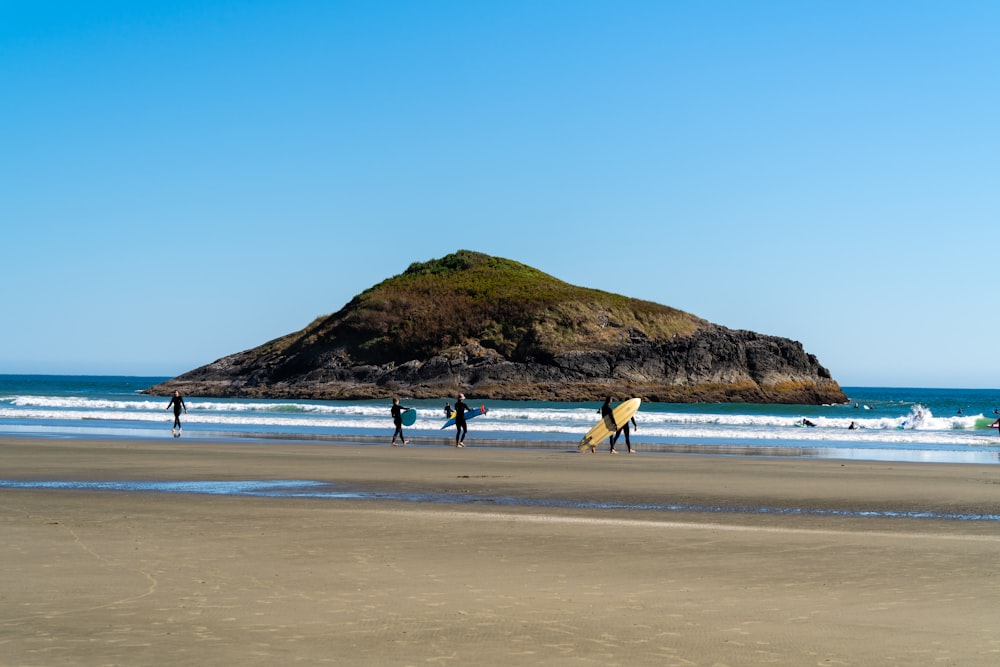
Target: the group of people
pixel 458 412
pixel 461 427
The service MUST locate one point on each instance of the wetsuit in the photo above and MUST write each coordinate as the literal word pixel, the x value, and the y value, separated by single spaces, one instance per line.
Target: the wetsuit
pixel 624 429
pixel 397 419
pixel 461 429
pixel 178 403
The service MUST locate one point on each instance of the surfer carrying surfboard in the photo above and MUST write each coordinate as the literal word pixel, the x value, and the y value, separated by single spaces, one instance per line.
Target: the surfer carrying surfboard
pixel 608 427
pixel 397 411
pixel 461 428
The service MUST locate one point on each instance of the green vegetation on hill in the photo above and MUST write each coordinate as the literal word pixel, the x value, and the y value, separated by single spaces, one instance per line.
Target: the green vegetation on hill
pixel 516 310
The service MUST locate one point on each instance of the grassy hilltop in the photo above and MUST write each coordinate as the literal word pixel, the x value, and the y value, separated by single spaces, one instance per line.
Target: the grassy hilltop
pixel 509 307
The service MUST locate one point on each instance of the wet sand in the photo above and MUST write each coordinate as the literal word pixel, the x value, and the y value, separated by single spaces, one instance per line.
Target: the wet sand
pixel 531 557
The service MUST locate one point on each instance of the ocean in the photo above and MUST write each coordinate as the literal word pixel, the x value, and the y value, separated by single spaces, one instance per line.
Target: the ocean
pixel 891 424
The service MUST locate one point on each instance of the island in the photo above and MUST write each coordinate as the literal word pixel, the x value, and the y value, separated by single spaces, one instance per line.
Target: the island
pixel 497 329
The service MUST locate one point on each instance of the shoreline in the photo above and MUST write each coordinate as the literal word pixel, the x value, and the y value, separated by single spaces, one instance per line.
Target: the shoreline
pixel 745 448
pixel 149 577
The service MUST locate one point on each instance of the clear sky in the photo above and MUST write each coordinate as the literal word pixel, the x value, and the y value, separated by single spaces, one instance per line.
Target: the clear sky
pixel 184 180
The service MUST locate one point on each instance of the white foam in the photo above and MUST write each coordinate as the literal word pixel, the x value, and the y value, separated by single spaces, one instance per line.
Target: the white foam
pixel 919 427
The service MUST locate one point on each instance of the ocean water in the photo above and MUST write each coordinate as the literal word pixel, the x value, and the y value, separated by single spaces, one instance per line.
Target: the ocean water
pixel 892 424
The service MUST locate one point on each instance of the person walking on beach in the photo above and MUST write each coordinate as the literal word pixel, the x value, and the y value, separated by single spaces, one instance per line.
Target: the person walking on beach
pixel 461 429
pixel 607 411
pixel 177 403
pixel 624 429
pixel 397 411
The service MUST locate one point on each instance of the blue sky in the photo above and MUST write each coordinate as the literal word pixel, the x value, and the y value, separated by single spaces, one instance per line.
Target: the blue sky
pixel 184 180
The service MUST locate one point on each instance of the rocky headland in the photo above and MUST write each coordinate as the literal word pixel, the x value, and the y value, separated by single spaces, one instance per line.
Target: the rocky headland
pixel 497 329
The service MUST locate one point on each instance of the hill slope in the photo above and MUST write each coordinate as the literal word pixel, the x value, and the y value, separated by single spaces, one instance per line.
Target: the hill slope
pixel 495 328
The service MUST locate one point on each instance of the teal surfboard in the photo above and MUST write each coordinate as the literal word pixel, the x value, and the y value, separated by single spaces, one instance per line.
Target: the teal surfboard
pixel 985 422
pixel 409 417
pixel 469 414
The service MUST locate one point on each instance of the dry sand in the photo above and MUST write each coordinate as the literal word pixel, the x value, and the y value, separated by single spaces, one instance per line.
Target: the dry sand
pixel 139 578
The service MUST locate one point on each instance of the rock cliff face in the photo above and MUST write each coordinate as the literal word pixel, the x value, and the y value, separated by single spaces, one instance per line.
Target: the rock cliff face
pixel 496 329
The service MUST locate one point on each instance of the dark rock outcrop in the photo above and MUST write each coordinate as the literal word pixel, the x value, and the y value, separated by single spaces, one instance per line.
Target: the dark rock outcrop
pixel 496 329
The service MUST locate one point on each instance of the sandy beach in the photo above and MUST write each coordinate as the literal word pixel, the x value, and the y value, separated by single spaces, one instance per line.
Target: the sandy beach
pixel 432 555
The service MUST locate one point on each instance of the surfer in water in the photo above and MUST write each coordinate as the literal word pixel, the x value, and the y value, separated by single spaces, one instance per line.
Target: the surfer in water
pixel 461 428
pixel 607 411
pixel 177 403
pixel 397 411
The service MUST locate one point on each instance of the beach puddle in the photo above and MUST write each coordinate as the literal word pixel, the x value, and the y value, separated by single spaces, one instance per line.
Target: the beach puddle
pixel 325 490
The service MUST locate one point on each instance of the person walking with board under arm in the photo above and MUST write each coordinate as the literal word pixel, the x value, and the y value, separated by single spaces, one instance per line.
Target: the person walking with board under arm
pixel 397 411
pixel 461 428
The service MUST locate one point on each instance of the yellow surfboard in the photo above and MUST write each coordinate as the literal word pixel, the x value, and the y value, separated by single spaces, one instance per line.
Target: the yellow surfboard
pixel 604 429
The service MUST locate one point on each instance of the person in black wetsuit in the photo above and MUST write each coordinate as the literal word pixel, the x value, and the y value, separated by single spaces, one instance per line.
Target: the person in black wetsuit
pixel 397 411
pixel 177 403
pixel 607 411
pixel 624 429
pixel 461 429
